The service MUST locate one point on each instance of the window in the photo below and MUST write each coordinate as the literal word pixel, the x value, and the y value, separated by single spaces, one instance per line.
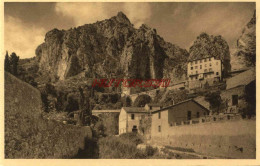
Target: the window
pixel 200 66
pixel 159 128
pixel 205 65
pixel 196 72
pixel 205 76
pixel 171 124
pixel 217 73
pixel 210 64
pixel 198 114
pixel 234 99
pixel 205 70
pixel 196 67
pixel 210 69
pixel 209 59
pixel 196 77
pixel 159 115
pixel 191 68
pixel 189 115
pixel 196 62
pixel 132 116
pixel 205 60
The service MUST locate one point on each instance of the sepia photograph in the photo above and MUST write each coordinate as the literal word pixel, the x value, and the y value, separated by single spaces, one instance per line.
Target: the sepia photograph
pixel 129 80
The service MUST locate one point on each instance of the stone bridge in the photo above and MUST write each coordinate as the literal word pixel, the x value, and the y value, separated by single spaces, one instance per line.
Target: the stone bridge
pixel 154 92
pixel 151 93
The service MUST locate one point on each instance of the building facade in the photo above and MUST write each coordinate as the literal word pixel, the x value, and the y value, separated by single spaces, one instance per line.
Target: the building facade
pixel 130 117
pixel 175 115
pixel 203 71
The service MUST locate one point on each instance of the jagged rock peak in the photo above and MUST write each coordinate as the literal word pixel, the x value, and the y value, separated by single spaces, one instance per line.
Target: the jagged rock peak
pixel 121 17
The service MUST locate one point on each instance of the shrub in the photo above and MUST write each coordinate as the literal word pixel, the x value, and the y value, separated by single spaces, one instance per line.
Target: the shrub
pixel 132 137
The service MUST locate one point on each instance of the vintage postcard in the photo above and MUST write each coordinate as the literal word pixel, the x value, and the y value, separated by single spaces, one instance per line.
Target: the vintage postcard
pixel 170 82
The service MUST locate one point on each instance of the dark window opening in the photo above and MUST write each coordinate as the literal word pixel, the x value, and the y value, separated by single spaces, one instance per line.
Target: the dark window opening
pixel 189 115
pixel 159 128
pixel 159 115
pixel 134 129
pixel 217 73
pixel 198 114
pixel 234 99
pixel 132 116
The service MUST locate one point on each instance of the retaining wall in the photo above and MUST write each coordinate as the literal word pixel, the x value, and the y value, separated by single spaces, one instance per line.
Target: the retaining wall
pixel 224 139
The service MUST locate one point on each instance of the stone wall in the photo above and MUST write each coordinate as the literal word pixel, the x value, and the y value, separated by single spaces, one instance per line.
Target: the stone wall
pixel 28 134
pixel 223 139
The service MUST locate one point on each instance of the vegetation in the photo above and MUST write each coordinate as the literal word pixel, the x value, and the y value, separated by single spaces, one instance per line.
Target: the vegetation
pixel 141 100
pixel 214 100
pixel 125 147
pixel 175 96
pixel 11 63
pixel 145 125
pixel 107 124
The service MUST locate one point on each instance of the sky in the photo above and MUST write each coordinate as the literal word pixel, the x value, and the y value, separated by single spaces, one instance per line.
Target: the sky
pixel 26 23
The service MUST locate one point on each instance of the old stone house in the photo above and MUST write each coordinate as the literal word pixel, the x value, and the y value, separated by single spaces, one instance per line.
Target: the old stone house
pixel 176 114
pixel 236 89
pixel 130 117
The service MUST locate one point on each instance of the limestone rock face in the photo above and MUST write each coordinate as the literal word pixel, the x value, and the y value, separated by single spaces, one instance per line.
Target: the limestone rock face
pixel 207 45
pixel 110 48
pixel 246 44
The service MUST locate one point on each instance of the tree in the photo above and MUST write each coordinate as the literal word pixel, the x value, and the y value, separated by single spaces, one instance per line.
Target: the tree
pixel 214 100
pixel 141 100
pixel 7 62
pixel 145 124
pixel 250 97
pixel 14 63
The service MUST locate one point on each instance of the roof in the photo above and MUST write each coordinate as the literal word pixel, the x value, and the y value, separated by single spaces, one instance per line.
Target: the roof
pixel 134 109
pixel 154 104
pixel 183 102
pixel 105 111
pixel 201 58
pixel 241 79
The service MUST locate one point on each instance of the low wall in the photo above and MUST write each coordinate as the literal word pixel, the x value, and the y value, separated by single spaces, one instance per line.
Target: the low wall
pixel 28 135
pixel 223 139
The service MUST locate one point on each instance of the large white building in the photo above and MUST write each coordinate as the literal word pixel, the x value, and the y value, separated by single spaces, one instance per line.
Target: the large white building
pixel 204 70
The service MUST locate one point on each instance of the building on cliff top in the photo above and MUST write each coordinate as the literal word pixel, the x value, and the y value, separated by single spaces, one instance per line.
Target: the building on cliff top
pixel 204 71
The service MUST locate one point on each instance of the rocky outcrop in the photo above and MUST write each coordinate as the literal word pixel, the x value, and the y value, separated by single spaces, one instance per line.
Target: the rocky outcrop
pixel 110 48
pixel 214 46
pixel 246 44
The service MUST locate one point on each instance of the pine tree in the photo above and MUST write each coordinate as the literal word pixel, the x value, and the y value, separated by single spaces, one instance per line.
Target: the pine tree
pixel 14 63
pixel 7 62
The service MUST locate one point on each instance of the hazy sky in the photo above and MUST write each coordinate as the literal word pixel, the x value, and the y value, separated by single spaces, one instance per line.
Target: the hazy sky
pixel 179 23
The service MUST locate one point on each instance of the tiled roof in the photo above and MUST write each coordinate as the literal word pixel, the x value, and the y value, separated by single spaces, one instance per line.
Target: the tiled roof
pixel 185 101
pixel 154 104
pixel 241 79
pixel 135 109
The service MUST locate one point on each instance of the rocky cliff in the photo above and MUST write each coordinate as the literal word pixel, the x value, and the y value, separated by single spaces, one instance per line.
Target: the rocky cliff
pixel 208 45
pixel 110 48
pixel 246 44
